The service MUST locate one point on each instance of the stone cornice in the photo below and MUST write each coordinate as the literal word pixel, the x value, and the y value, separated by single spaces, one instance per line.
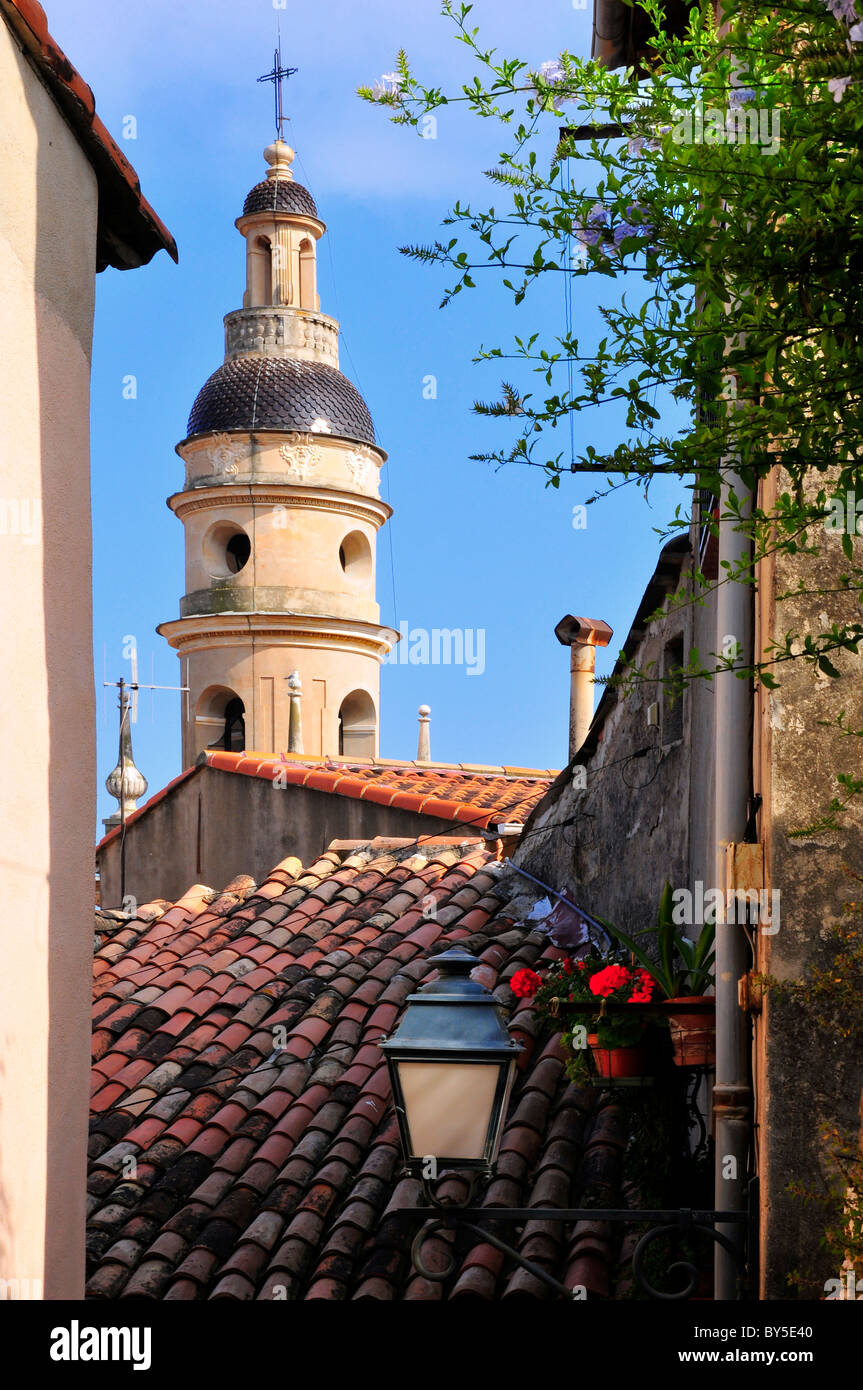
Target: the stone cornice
pixel 237 493
pixel 266 217
pixel 282 629
pixel 262 439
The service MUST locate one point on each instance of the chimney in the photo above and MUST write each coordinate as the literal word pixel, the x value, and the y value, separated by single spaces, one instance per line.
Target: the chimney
pixel 582 636
pixel 424 745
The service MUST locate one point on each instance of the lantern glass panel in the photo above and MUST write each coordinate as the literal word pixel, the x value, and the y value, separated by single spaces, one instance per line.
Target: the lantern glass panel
pixel 449 1106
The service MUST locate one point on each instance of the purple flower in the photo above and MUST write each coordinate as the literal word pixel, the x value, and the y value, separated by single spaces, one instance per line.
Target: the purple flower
pixel 623 230
pixel 551 72
pixel 597 221
pixel 843 9
pixel 837 86
pixel 388 85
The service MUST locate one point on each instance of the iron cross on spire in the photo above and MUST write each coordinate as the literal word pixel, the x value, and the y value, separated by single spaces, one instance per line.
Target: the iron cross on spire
pixel 276 76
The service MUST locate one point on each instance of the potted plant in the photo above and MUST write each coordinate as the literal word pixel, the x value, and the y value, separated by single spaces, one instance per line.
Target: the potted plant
pixel 682 971
pixel 617 1043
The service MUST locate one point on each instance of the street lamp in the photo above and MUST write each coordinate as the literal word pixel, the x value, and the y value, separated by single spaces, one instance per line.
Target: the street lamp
pixel 451 1063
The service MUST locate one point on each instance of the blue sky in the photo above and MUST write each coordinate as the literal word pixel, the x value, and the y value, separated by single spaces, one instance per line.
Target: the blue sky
pixel 471 548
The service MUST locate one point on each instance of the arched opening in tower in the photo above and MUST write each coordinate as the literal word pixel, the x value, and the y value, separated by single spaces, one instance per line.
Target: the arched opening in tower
pixel 357 725
pixel 220 721
pixel 308 293
pixel 260 272
pixel 234 736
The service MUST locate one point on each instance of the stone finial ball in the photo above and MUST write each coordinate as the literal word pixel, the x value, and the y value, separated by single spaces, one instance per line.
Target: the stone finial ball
pixel 424 711
pixel 279 153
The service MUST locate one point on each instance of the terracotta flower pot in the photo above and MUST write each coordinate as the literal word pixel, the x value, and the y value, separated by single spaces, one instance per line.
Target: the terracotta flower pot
pixel 617 1061
pixel 693 1035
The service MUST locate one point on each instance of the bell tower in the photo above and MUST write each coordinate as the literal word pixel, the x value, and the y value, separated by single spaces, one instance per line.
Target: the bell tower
pixel 281 510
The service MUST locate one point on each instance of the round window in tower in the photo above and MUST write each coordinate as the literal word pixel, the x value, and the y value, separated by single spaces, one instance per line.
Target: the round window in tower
pixel 355 557
pixel 226 549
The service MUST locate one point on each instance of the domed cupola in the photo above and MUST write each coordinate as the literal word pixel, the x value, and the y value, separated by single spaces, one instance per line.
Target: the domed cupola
pixel 277 393
pixel 281 508
pixel 281 353
pixel 280 195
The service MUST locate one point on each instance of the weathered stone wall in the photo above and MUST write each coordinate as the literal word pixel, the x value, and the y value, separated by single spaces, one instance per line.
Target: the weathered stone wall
pixel 808 1077
pixel 216 825
pixel 635 808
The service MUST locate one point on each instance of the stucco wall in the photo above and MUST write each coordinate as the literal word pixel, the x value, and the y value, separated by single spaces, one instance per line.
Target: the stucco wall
pixel 216 825
pixel 48 212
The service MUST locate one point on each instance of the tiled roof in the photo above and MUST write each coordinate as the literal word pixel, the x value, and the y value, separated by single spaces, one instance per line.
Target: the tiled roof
pixel 473 797
pixel 280 393
pixel 280 195
pixel 129 232
pixel 467 794
pixel 243 1143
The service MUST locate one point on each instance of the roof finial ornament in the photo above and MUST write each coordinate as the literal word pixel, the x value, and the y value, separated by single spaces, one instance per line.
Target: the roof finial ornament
pixel 424 745
pixel 280 157
pixel 295 717
pixel 126 784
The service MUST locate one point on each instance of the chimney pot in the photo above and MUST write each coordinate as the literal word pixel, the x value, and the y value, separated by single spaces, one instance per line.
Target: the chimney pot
pixel 582 636
pixel 424 743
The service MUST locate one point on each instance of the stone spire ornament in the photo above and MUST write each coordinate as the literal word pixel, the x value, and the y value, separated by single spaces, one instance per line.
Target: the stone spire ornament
pixel 279 157
pixel 424 743
pixel 295 719
pixel 126 784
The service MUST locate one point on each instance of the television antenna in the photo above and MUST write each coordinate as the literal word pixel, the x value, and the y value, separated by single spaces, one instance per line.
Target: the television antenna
pixel 126 783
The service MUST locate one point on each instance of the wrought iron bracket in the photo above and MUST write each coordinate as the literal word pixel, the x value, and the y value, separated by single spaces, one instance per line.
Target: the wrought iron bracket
pixel 441 1215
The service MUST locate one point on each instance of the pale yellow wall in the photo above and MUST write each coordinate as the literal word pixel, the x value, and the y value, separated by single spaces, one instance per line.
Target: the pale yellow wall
pixel 48 212
pixel 298 499
pixel 271 456
pixel 292 546
pixel 285 273
pixel 258 673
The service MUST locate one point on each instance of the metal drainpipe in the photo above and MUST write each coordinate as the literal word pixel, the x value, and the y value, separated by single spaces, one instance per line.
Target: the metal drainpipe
pixel 732 1098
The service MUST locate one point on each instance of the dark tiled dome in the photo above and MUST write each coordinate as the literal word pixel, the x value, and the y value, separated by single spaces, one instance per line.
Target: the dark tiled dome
pixel 278 393
pixel 280 195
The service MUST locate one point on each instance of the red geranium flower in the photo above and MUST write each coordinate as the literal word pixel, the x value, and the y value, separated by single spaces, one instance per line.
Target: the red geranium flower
pixel 525 983
pixel 606 981
pixel 643 991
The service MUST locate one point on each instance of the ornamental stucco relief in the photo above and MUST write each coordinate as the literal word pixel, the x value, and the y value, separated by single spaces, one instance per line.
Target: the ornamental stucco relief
pixel 359 465
pixel 301 455
pixel 226 454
